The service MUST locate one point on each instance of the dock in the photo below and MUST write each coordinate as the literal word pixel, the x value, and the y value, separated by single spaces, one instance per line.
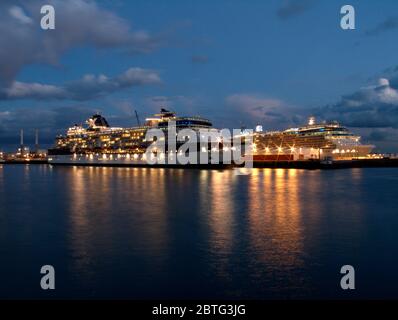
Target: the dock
pixel 340 164
pixel 304 164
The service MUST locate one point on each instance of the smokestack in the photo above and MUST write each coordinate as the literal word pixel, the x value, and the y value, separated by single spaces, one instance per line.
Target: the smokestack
pixel 22 147
pixel 37 140
pixel 21 138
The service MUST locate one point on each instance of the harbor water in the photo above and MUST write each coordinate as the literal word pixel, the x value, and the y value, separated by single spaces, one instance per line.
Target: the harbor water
pixel 147 233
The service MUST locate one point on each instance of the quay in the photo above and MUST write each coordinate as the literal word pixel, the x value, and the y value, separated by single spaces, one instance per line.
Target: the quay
pixel 297 164
pixel 340 164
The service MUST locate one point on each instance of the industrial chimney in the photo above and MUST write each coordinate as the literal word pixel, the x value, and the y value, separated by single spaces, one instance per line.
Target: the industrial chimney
pixel 21 138
pixel 37 140
pixel 21 142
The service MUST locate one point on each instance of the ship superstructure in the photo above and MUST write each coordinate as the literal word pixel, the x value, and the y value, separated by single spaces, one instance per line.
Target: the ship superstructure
pixel 327 140
pixel 99 143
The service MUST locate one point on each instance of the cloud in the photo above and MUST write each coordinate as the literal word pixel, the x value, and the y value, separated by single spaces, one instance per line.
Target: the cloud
pixel 50 122
pixel 291 8
pixel 78 23
pixel 373 106
pixel 255 105
pixel 378 135
pixel 390 23
pixel 254 109
pixel 21 90
pixel 371 112
pixel 86 88
pixel 19 14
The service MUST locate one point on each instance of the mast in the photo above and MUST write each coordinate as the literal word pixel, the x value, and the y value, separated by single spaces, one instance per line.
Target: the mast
pixel 138 119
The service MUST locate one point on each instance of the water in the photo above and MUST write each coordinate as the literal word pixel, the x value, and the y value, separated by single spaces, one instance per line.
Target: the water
pixel 170 233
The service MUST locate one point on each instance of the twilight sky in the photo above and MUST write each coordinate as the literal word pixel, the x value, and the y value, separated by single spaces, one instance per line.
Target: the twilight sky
pixel 236 62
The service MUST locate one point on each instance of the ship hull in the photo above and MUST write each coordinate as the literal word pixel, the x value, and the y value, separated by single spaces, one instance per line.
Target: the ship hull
pixel 115 161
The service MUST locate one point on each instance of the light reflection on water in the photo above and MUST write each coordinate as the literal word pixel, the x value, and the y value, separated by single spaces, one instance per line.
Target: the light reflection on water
pixel 172 233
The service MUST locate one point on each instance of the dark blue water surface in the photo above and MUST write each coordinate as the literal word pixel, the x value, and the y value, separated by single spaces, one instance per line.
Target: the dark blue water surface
pixel 170 233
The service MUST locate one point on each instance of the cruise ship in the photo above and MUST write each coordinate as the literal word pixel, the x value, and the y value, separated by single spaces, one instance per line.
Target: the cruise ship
pixel 314 141
pixel 98 143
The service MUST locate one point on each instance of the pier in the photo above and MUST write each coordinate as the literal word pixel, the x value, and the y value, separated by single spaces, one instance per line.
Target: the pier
pixel 297 164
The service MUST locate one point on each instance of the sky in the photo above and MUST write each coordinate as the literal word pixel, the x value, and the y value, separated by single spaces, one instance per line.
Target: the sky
pixel 236 62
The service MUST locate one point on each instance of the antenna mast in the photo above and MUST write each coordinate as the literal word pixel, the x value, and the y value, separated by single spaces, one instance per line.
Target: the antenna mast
pixel 138 119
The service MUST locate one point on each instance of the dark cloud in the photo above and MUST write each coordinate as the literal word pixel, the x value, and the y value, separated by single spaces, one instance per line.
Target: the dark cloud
pixel 78 23
pixel 50 122
pixel 378 135
pixel 370 107
pixel 291 8
pixel 89 87
pixel 253 109
pixel 390 23
pixel 371 112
